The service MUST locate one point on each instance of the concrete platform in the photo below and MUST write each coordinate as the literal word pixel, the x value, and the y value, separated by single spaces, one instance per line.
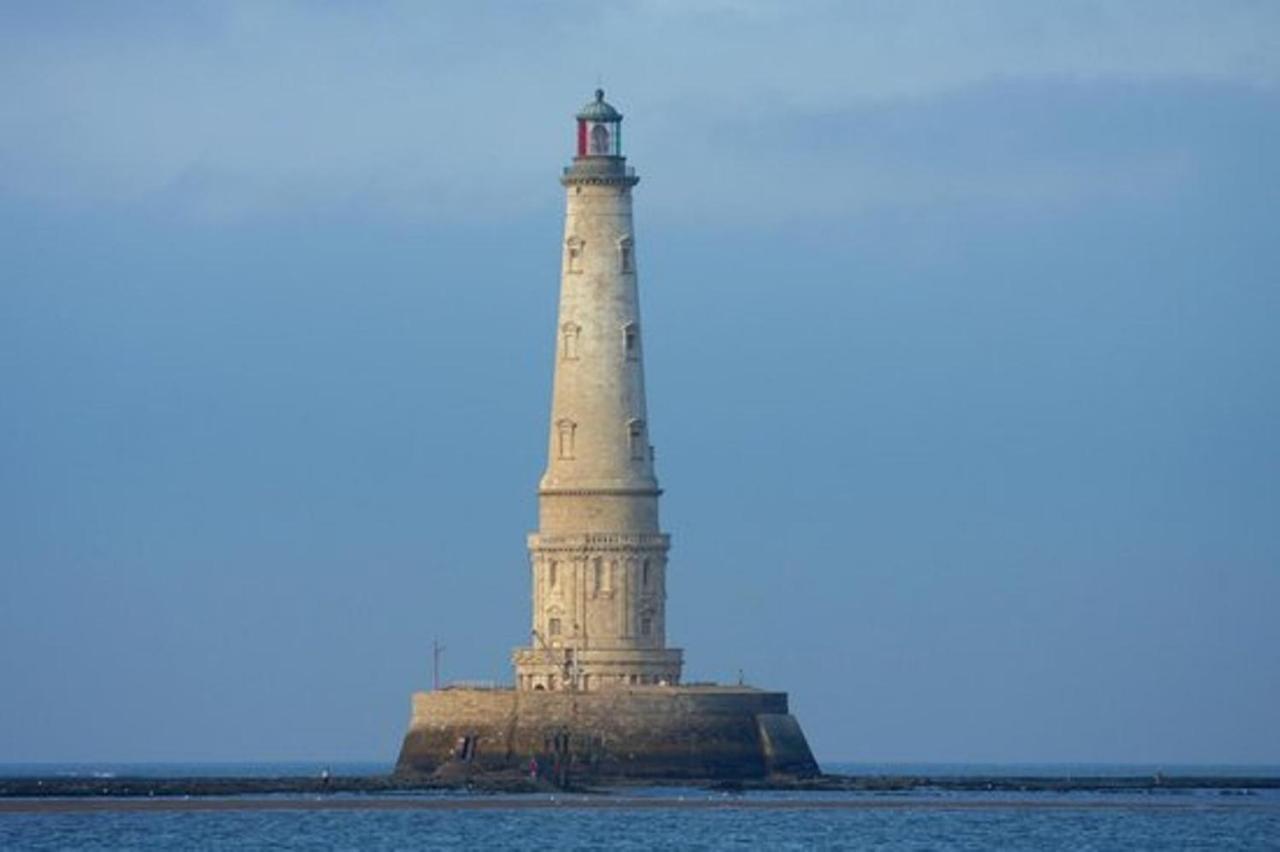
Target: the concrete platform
pixel 643 732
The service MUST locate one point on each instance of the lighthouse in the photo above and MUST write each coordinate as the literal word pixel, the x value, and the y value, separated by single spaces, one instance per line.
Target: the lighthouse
pixel 599 558
pixel 597 692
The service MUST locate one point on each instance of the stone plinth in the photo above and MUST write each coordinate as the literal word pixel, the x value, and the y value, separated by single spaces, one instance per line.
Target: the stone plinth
pixel 654 732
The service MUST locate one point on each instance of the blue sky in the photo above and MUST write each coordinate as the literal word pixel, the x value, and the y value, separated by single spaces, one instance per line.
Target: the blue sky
pixel 961 323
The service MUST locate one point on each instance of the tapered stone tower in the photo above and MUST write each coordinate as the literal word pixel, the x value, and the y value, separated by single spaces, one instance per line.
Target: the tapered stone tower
pixel 599 558
pixel 597 691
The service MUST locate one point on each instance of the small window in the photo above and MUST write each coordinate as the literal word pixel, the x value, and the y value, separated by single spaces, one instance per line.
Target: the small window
pixel 573 257
pixel 644 574
pixel 626 256
pixel 635 437
pixel 565 430
pixel 646 625
pixel 551 572
pixel 631 341
pixel 553 626
pixel 569 333
pixel 597 567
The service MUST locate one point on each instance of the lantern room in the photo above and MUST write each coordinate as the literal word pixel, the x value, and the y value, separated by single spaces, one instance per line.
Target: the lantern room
pixel 599 129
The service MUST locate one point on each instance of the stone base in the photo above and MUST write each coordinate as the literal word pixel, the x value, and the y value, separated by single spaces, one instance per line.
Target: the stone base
pixel 655 732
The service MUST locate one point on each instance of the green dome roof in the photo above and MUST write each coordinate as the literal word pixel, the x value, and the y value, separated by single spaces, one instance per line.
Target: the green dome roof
pixel 599 110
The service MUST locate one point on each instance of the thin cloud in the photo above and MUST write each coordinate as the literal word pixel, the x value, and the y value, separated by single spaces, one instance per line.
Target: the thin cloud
pixel 460 113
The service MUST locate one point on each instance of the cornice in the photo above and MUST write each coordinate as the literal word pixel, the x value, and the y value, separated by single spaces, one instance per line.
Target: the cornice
pixel 604 492
pixel 596 542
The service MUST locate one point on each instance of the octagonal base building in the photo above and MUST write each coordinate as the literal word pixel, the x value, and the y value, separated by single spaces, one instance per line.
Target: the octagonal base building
pixel 597 692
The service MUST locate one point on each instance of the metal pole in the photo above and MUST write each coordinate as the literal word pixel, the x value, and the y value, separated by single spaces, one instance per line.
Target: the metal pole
pixel 436 650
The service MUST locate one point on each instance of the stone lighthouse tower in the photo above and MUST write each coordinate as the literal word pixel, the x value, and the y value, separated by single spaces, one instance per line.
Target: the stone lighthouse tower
pixel 599 557
pixel 597 691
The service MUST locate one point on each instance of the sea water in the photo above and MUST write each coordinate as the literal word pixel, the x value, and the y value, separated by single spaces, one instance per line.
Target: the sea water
pixel 686 818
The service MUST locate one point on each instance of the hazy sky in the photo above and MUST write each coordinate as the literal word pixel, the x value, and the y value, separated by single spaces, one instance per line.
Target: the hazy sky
pixel 963 328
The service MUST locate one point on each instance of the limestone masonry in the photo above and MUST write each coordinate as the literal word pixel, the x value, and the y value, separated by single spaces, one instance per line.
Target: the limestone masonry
pixel 597 686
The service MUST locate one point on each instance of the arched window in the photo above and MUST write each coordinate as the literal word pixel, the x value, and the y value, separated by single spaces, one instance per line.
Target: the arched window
pixel 573 255
pixel 565 430
pixel 569 333
pixel 551 573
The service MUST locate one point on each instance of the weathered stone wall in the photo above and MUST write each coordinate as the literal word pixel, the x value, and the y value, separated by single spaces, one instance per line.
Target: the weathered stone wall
pixel 599 558
pixel 653 732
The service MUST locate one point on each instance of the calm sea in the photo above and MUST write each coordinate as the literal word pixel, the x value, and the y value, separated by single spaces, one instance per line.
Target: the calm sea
pixel 679 818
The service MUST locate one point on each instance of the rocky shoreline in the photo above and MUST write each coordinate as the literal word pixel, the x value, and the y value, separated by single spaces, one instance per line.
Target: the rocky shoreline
pixel 492 783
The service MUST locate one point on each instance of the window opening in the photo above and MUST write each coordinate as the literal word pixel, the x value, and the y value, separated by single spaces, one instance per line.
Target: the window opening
pixel 565 429
pixel 635 436
pixel 631 341
pixel 574 258
pixel 599 139
pixel 569 333
pixel 626 256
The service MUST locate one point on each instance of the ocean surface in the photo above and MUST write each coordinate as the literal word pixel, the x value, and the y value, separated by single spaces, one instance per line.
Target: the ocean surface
pixel 675 818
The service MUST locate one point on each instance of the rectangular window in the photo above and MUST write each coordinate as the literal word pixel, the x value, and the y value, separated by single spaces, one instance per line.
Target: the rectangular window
pixel 553 626
pixel 635 438
pixel 564 433
pixel 626 257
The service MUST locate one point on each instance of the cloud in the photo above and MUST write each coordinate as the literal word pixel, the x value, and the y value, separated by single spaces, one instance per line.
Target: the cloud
pixel 1046 141
pixel 456 112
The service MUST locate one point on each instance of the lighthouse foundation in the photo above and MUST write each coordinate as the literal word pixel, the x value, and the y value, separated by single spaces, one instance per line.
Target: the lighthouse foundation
pixel 644 732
